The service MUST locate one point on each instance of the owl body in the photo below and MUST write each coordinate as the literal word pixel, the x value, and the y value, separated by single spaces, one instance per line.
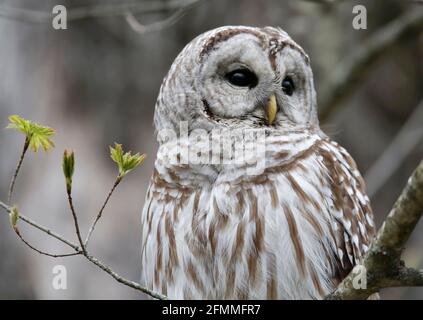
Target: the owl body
pixel 225 230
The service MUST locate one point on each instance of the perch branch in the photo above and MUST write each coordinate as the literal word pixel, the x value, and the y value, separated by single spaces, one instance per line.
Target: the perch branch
pixel 382 262
pixel 348 74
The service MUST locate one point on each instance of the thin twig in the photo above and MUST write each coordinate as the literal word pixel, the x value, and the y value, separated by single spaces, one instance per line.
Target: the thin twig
pixel 75 221
pixel 18 168
pixel 43 252
pixel 115 184
pixel 124 281
pixel 15 217
pixel 88 256
pixel 349 73
pixel 382 262
pixel 42 228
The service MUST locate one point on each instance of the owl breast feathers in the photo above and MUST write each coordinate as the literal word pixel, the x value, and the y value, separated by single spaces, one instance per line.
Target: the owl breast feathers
pixel 218 229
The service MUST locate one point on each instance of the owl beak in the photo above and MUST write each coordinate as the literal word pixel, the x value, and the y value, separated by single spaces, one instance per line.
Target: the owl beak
pixel 271 110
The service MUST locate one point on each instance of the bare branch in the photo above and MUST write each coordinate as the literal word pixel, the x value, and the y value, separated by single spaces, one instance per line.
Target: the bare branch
pixel 124 281
pixel 404 142
pixel 162 24
pixel 95 12
pixel 41 228
pixel 156 26
pixel 18 233
pixel 126 163
pixel 87 255
pixel 410 277
pixel 404 216
pixel 382 262
pixel 75 220
pixel 350 73
pixel 18 168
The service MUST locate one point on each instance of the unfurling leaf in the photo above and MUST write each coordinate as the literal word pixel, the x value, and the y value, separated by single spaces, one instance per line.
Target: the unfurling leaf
pixel 126 162
pixel 37 136
pixel 68 166
pixel 14 217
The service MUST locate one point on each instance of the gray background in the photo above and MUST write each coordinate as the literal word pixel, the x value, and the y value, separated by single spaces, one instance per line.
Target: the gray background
pixel 97 82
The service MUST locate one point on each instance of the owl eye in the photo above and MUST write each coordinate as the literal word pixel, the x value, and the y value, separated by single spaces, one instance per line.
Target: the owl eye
pixel 288 86
pixel 242 78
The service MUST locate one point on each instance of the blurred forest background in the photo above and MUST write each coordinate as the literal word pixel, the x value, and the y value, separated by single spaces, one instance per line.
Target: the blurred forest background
pixel 97 81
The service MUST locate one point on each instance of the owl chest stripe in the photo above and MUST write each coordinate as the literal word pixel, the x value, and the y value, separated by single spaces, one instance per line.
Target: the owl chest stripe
pixel 295 238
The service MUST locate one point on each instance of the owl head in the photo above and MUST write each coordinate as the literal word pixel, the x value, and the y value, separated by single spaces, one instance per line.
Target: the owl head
pixel 239 77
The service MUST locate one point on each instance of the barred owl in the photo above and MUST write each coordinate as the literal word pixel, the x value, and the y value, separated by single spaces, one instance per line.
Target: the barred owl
pixel 218 229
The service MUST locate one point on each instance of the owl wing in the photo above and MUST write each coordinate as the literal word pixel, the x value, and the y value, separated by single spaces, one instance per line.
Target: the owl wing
pixel 352 217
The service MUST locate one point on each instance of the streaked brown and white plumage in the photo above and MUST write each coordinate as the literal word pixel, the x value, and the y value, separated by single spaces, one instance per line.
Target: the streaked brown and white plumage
pixel 213 231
